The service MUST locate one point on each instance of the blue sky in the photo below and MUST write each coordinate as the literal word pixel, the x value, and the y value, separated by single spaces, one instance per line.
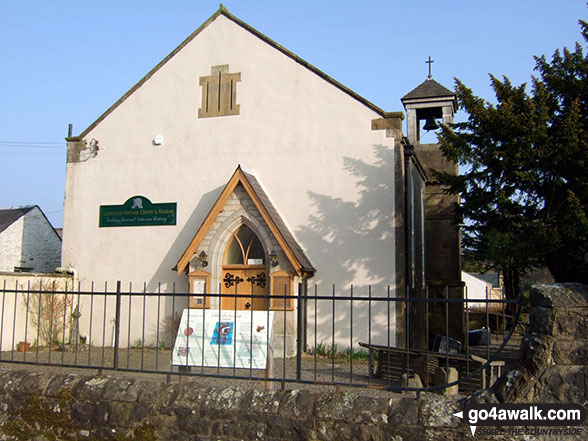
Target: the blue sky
pixel 68 61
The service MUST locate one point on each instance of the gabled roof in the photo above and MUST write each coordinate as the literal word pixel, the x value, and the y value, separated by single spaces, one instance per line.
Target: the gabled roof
pixel 492 278
pixel 11 215
pixel 224 12
pixel 293 251
pixel 429 89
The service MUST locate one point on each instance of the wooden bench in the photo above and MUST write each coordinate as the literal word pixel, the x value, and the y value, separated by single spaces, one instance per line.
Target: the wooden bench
pixel 392 363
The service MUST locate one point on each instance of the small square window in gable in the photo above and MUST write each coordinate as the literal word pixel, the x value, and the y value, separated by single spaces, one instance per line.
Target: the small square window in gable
pixel 219 93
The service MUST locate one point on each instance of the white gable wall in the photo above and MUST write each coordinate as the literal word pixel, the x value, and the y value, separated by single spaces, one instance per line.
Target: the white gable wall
pixel 41 246
pixel 30 242
pixel 310 144
pixel 10 246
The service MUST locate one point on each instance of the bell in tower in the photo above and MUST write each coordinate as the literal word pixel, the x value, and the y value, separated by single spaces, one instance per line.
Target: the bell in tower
pixel 430 124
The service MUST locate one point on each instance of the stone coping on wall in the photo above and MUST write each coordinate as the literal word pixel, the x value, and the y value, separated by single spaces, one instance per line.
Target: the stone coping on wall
pixel 43 406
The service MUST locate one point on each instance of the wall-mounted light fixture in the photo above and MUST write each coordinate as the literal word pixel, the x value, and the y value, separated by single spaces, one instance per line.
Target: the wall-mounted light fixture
pixel 203 258
pixel 273 259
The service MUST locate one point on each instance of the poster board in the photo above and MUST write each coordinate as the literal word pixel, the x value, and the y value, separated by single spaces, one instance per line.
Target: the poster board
pixel 240 339
pixel 199 287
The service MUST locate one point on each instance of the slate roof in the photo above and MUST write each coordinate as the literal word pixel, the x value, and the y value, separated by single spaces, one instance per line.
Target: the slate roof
pixel 428 89
pixel 492 278
pixel 11 215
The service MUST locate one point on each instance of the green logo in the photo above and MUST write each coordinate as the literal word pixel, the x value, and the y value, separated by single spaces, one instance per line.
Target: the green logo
pixel 138 211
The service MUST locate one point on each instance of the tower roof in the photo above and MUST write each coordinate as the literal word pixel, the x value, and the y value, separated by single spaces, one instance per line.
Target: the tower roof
pixel 429 89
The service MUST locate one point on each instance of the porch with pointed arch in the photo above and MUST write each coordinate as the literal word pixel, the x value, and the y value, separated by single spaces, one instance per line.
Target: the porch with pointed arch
pixel 249 252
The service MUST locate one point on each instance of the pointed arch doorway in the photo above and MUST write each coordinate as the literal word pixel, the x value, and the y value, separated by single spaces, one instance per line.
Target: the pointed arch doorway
pixel 244 272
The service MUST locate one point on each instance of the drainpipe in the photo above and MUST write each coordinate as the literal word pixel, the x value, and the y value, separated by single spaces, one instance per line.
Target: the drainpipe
pixel 301 323
pixel 408 153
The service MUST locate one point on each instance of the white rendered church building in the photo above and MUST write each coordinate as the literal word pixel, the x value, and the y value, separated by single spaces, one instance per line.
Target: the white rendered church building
pixel 235 160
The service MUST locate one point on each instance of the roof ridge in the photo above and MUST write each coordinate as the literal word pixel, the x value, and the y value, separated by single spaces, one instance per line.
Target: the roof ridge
pixel 222 10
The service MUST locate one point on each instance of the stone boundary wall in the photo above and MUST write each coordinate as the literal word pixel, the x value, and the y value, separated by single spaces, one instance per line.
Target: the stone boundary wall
pixel 43 407
pixel 554 353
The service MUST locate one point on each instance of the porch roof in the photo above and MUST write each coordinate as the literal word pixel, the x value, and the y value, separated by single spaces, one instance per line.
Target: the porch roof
pixel 287 242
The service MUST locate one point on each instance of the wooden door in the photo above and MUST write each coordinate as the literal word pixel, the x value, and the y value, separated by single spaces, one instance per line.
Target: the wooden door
pixel 244 272
pixel 244 282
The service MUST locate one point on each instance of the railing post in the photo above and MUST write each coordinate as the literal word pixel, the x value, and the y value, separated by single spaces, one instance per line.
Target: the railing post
pixel 117 325
pixel 299 335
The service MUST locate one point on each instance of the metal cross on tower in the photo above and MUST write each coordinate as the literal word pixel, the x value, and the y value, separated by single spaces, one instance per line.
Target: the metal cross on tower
pixel 429 62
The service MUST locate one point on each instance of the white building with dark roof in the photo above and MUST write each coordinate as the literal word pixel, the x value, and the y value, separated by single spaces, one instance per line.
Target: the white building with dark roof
pixel 28 242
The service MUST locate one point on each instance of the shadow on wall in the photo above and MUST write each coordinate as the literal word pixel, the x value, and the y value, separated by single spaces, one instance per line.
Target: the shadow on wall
pixel 353 242
pixel 164 272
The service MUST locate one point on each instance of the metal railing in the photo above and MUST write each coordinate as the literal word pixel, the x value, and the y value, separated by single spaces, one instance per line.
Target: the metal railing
pixel 359 338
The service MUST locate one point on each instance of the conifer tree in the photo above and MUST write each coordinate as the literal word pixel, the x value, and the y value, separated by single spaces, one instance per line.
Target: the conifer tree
pixel 524 185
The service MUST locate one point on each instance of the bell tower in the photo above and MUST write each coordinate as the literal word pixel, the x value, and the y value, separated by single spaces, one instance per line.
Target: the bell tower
pixel 428 107
pixel 429 102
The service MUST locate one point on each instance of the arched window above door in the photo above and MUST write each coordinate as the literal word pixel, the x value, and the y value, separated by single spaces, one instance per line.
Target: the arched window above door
pixel 244 248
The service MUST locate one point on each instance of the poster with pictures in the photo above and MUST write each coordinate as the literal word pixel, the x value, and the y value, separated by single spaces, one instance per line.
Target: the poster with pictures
pixel 223 339
pixel 198 287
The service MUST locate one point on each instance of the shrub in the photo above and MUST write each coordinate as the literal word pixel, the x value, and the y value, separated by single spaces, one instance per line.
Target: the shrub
pixel 48 312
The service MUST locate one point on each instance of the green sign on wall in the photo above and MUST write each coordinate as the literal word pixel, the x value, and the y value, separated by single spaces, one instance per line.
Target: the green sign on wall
pixel 138 211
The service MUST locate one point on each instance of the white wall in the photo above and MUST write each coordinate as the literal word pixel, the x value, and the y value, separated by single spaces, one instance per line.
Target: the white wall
pixel 10 246
pixel 480 289
pixel 30 242
pixel 41 245
pixel 311 146
pixel 15 324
